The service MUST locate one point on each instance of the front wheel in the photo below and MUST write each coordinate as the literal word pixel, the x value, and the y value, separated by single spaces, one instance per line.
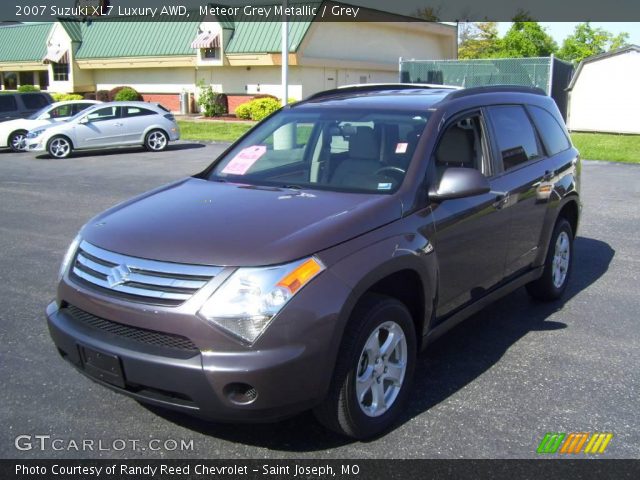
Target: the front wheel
pixel 374 370
pixel 18 141
pixel 59 147
pixel 156 141
pixel 557 267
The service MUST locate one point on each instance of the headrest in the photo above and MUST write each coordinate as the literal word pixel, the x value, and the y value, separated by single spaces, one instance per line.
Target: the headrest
pixel 364 144
pixel 456 147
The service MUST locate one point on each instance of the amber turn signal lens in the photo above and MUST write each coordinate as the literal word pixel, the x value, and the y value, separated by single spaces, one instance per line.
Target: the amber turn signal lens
pixel 301 275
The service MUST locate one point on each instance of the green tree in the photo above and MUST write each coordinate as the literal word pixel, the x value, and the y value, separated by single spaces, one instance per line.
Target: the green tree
pixel 479 40
pixel 527 39
pixel 587 41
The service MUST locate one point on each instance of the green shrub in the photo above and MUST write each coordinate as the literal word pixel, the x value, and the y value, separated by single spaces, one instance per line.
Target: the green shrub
pixel 263 107
pixel 127 94
pixel 212 104
pixel 28 88
pixel 244 111
pixel 65 97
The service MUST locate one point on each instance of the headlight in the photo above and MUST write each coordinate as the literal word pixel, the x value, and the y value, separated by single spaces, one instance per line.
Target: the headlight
pixel 35 133
pixel 71 251
pixel 247 301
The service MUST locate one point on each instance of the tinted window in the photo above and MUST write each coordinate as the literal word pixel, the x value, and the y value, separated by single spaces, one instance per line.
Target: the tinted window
pixel 7 103
pixel 137 112
pixel 552 133
pixel 102 114
pixel 34 101
pixel 514 134
pixel 61 111
pixel 78 107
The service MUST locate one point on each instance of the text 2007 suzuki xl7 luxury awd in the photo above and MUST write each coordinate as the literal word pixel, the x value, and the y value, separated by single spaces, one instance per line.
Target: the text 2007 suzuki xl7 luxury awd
pixel 312 261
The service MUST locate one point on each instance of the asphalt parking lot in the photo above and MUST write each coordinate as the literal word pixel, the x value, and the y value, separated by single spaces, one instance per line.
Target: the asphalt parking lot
pixel 491 388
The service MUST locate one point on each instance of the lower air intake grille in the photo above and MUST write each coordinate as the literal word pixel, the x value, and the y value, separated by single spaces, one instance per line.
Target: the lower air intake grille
pixel 136 334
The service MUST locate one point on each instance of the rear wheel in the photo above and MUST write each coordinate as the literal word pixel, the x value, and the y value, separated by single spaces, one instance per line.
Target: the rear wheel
pixel 156 140
pixel 374 369
pixel 59 147
pixel 17 140
pixel 557 267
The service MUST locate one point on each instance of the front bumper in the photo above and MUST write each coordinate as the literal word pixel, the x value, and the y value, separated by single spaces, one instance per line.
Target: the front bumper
pixel 289 369
pixel 34 145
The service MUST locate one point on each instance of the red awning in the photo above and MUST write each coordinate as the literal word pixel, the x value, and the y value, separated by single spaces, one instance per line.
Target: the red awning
pixel 56 55
pixel 206 40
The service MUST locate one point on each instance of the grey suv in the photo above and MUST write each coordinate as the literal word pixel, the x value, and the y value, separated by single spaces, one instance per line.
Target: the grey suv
pixel 313 260
pixel 21 104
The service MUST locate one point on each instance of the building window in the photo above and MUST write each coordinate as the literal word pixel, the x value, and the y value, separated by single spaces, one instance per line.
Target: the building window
pixel 60 72
pixel 211 53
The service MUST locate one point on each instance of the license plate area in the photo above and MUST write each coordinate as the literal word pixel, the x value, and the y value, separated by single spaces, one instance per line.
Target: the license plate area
pixel 102 366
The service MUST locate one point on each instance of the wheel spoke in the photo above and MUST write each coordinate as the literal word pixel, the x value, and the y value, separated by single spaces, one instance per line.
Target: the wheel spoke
pixel 395 373
pixel 372 346
pixel 378 402
pixel 391 342
pixel 363 384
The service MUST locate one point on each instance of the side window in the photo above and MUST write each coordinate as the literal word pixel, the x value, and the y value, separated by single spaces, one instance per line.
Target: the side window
pixel 78 107
pixel 7 103
pixel 516 138
pixel 102 114
pixel 34 101
pixel 463 145
pixel 61 111
pixel 553 136
pixel 137 112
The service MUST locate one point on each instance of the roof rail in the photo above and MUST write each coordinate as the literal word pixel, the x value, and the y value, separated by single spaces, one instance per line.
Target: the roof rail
pixel 495 89
pixel 373 87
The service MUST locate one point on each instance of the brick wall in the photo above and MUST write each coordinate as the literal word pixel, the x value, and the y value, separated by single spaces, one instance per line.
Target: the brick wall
pixel 170 101
pixel 235 100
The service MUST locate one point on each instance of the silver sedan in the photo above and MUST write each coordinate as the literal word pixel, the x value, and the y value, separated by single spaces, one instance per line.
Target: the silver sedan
pixel 113 124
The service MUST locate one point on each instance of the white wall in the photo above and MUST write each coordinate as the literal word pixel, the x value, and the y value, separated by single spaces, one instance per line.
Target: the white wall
pixel 147 80
pixel 606 95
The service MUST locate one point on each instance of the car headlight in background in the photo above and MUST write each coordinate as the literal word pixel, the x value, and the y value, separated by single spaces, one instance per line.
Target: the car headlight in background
pixel 35 133
pixel 247 301
pixel 71 251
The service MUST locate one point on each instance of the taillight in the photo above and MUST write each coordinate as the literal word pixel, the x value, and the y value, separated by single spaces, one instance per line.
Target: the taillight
pixel 170 117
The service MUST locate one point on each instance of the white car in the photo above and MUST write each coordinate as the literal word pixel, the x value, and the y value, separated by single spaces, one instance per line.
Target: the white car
pixel 13 132
pixel 112 124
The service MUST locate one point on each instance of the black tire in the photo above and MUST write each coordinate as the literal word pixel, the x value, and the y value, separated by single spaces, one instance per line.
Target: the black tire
pixel 16 140
pixel 156 140
pixel 549 287
pixel 59 147
pixel 341 410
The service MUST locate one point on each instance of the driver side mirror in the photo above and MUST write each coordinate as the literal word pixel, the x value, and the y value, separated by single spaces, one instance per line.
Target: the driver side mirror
pixel 84 120
pixel 459 183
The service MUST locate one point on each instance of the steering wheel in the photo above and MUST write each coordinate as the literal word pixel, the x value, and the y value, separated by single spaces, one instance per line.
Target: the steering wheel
pixel 394 171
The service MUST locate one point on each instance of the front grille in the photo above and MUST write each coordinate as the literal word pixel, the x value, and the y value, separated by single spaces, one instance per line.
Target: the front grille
pixel 139 279
pixel 136 334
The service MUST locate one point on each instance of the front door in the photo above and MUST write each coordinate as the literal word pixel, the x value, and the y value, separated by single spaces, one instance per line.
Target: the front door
pixel 103 128
pixel 472 233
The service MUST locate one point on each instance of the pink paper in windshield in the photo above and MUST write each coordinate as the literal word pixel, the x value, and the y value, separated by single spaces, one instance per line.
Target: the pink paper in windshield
pixel 244 160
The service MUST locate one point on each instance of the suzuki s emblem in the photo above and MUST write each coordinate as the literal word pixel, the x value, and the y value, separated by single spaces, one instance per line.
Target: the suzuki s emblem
pixel 118 276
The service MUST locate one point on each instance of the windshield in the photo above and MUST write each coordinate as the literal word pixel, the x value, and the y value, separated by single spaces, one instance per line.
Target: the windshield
pixel 34 116
pixel 344 150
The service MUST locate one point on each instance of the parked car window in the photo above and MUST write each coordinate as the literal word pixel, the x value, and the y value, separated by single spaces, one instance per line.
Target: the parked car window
pixel 462 145
pixel 515 135
pixel 34 101
pixel 102 114
pixel 79 107
pixel 137 112
pixel 61 111
pixel 7 103
pixel 553 136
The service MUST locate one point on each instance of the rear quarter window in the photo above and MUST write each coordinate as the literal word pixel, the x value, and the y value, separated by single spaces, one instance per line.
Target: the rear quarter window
pixel 8 103
pixel 34 101
pixel 553 136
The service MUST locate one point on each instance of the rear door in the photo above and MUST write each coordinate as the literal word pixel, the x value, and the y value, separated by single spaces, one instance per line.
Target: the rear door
pixel 521 160
pixel 103 128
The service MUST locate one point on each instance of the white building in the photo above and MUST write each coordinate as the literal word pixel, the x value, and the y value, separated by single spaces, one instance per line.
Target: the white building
pixel 604 94
pixel 236 57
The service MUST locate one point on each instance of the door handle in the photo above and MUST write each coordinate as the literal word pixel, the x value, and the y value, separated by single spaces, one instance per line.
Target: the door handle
pixel 118 124
pixel 548 175
pixel 501 200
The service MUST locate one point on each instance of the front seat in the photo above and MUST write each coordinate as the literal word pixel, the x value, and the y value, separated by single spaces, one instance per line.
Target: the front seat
pixel 455 150
pixel 358 169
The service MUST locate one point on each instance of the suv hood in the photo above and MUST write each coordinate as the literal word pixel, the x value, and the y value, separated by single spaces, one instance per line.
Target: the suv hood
pixel 202 222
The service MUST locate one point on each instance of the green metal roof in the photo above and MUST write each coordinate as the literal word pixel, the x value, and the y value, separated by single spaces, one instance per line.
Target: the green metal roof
pixel 73 29
pixel 265 37
pixel 24 42
pixel 124 38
